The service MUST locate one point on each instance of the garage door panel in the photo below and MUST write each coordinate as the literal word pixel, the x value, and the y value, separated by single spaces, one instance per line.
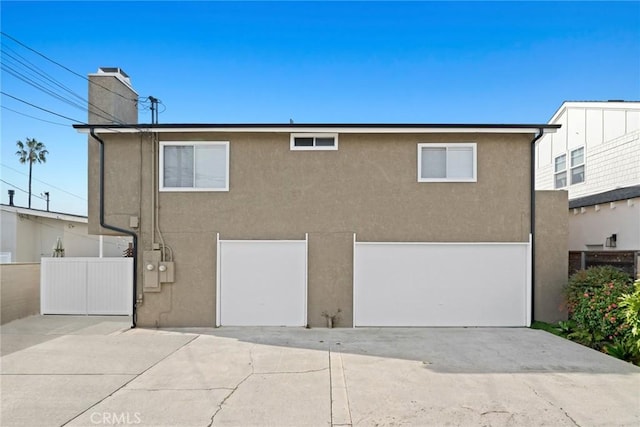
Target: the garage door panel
pixel 263 283
pixel 440 284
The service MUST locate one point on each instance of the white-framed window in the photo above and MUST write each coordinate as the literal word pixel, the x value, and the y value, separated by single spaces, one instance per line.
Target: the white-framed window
pixel 314 141
pixel 194 166
pixel 560 171
pixel 577 165
pixel 455 162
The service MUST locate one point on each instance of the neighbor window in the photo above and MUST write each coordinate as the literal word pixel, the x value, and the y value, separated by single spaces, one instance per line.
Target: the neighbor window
pixel 447 162
pixel 577 166
pixel 560 171
pixel 308 141
pixel 194 166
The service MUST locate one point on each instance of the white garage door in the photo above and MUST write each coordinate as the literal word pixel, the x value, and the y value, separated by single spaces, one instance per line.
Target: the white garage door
pixel 441 284
pixel 262 283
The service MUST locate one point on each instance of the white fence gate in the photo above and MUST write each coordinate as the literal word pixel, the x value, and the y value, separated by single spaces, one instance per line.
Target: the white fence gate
pixel 97 286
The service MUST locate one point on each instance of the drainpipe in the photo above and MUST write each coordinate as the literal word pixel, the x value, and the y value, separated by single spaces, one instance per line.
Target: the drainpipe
pixel 533 221
pixel 133 235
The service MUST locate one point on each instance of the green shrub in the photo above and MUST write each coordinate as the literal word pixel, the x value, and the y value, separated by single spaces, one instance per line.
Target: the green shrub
pixel 593 298
pixel 630 304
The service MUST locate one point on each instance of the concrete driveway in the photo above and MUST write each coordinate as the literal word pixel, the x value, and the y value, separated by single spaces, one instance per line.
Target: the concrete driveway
pixel 81 371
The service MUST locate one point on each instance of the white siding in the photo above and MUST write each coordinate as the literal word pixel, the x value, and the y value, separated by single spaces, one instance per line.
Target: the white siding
pixel 611 165
pixel 8 233
pixel 576 128
pixel 610 133
pixel 614 124
pixel 633 121
pixel 592 226
pixel 594 133
pixel 28 237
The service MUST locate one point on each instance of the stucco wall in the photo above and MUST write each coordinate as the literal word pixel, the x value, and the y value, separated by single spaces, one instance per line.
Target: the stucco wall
pixel 368 187
pixel 551 255
pixel 591 225
pixel 30 237
pixel 19 291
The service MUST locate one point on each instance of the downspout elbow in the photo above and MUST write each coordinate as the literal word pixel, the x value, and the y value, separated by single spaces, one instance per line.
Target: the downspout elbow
pixel 533 220
pixel 103 224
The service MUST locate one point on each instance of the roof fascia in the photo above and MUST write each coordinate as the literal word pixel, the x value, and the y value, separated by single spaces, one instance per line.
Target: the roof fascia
pixel 605 105
pixel 45 214
pixel 515 129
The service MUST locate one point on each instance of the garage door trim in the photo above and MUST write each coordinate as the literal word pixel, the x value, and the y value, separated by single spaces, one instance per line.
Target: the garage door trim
pixel 524 272
pixel 219 284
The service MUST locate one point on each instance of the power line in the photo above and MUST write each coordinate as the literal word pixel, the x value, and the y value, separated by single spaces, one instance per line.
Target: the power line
pixel 113 118
pixel 40 108
pixel 34 117
pixel 64 67
pixel 36 70
pixel 43 182
pixel 17 74
pixel 24 191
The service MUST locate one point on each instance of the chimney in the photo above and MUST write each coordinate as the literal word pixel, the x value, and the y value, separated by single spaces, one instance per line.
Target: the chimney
pixel 112 99
pixel 11 194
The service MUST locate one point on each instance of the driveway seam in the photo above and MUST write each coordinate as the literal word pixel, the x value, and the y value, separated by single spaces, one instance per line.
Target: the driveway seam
pixel 233 390
pixel 128 382
pixel 330 391
pixel 552 404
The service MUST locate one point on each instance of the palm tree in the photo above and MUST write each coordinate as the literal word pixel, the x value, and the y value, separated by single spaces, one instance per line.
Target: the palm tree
pixel 32 151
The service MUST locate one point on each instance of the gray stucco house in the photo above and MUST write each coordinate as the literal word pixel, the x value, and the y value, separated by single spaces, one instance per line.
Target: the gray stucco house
pixel 288 224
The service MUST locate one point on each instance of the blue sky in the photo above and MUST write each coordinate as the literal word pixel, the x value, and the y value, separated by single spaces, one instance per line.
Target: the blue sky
pixel 241 62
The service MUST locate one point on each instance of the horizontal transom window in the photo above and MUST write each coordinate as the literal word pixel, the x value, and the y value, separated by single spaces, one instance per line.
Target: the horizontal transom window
pixel 194 166
pixel 447 162
pixel 315 141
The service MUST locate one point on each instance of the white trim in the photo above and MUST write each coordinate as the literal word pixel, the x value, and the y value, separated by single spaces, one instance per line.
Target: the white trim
pixel 446 243
pixel 599 105
pixel 218 276
pixel 102 129
pixel 472 145
pixel 45 214
pixel 306 279
pixel 261 241
pixel 161 186
pixel 219 262
pixel 571 167
pixel 353 284
pixel 565 171
pixel 522 275
pixel 530 284
pixel 316 135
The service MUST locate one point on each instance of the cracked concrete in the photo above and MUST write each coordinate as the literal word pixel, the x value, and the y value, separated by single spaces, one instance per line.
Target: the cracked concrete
pixel 317 377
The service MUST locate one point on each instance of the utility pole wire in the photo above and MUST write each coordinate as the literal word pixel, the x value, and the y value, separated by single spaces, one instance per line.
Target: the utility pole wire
pixel 64 67
pixel 43 182
pixel 18 188
pixel 40 108
pixel 34 117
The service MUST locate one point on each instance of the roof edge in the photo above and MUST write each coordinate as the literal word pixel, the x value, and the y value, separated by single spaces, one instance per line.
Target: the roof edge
pixel 606 197
pixel 326 127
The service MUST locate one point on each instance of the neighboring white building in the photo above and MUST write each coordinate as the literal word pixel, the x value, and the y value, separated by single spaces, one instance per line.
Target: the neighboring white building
pixel 29 234
pixel 595 156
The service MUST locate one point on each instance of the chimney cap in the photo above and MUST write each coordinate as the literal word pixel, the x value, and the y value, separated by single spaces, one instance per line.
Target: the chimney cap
pixel 112 70
pixel 116 72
